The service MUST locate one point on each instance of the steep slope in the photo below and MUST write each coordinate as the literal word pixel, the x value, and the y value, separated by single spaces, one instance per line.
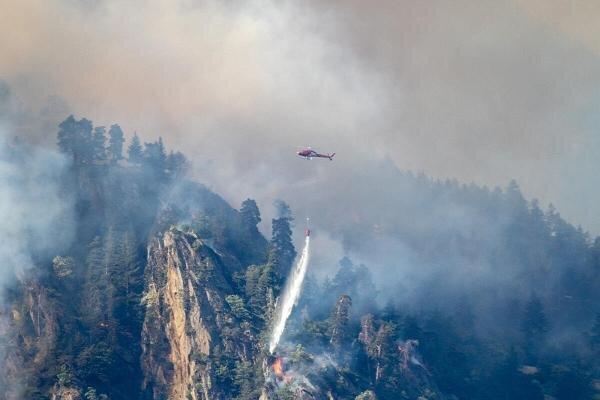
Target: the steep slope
pixel 168 292
pixel 186 319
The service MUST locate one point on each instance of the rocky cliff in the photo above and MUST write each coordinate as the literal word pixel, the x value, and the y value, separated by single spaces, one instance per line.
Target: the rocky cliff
pixel 187 321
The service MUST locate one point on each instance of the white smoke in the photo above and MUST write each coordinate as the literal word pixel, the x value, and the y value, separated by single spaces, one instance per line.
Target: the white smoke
pixel 37 222
pixel 36 211
pixel 290 296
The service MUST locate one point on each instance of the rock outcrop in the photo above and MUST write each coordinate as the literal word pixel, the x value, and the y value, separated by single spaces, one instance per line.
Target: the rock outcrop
pixel 186 317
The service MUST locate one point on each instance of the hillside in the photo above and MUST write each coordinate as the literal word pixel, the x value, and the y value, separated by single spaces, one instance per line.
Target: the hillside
pixel 165 291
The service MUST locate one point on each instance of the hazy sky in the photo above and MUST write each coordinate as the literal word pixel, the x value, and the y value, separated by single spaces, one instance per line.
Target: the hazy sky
pixel 482 91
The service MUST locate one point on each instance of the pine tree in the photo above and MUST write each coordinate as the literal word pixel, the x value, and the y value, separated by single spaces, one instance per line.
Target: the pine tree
pixel 99 143
pixel 250 214
pixel 96 285
pixel 75 139
pixel 176 164
pixel 357 282
pixel 383 349
pixel 115 143
pixel 236 304
pixel 367 333
pixel 267 284
pixel 67 135
pixel 507 382
pixel 154 153
pixel 339 321
pixel 534 326
pixel 281 249
pixel 260 281
pixel 155 158
pixel 134 151
pixel 244 380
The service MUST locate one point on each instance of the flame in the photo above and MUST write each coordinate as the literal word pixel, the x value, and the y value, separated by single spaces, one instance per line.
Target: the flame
pixel 278 368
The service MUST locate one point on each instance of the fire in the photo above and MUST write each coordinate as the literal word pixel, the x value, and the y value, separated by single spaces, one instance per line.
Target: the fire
pixel 279 371
pixel 278 368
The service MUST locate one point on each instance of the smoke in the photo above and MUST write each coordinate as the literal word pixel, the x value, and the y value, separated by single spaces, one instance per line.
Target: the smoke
pixel 34 208
pixel 289 296
pixel 298 371
pixel 36 222
pixel 481 92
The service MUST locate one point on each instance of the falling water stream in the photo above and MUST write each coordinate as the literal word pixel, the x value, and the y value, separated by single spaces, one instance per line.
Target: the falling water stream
pixel 290 295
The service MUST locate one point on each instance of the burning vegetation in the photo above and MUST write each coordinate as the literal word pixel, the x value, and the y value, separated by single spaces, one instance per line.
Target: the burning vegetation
pixel 209 284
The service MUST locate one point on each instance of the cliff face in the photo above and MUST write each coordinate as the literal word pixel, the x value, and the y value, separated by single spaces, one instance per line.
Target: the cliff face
pixel 186 319
pixel 135 309
pixel 29 333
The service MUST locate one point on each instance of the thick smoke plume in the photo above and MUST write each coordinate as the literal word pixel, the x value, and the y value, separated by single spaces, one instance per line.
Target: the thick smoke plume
pixel 36 217
pixel 482 91
pixel 34 208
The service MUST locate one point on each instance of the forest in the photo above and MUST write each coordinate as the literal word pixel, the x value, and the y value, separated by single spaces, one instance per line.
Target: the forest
pixel 164 290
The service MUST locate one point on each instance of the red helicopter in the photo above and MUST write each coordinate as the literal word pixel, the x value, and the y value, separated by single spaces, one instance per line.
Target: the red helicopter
pixel 309 154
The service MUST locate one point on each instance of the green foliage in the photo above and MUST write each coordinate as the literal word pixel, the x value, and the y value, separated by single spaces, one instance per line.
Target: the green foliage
pixel 244 380
pixel 63 266
pixel 281 248
pixel 236 303
pixel 260 283
pixel 300 355
pixel 366 395
pixel 534 326
pixel 355 281
pixel 98 144
pixel 340 318
pixel 115 143
pixel 87 313
pixel 90 394
pixel 314 332
pixel 250 213
pixel 96 363
pixel 65 375
pixel 507 382
pixel 176 164
pixel 535 323
pixel 135 153
pixel 203 224
pixel 155 157
pixel 75 139
pixel 285 393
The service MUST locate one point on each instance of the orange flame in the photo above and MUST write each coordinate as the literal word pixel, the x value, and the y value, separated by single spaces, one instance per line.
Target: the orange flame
pixel 278 368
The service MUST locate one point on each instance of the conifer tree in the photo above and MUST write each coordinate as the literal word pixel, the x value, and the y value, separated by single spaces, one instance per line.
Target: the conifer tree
pixel 281 249
pixel 99 143
pixel 115 143
pixel 339 321
pixel 382 349
pixel 155 159
pixel 177 164
pixel 534 326
pixel 134 151
pixel 250 214
pixel 75 139
pixel 96 283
